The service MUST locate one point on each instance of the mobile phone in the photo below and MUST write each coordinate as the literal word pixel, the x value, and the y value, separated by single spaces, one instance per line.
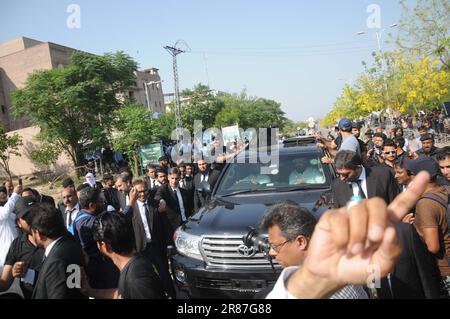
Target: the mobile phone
pixel 20 182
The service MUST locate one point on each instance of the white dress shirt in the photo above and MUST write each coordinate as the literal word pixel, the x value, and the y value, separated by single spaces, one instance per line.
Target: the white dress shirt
pixel 73 214
pixel 204 177
pixel 280 291
pixel 148 235
pixel 180 202
pixel 50 247
pixel 363 180
pixel 154 183
pixel 7 226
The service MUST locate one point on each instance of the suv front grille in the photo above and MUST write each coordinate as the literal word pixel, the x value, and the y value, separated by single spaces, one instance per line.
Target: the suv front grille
pixel 222 251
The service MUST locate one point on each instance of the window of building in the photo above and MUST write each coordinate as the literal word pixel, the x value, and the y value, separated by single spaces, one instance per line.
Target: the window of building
pixel 3 109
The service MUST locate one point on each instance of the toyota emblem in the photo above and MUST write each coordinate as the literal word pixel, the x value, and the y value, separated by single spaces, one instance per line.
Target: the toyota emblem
pixel 246 251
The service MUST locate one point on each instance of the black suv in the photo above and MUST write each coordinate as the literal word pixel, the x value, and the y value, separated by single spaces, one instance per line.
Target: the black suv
pixel 212 260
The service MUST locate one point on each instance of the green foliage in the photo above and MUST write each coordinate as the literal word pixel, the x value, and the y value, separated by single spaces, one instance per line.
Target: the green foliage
pixel 396 82
pixel 199 105
pixel 9 145
pixel 164 126
pixel 424 29
pixel 133 127
pixel 250 112
pixel 74 105
pixel 46 155
pixel 291 128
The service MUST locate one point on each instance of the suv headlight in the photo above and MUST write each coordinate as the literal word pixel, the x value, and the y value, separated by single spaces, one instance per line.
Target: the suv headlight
pixel 187 244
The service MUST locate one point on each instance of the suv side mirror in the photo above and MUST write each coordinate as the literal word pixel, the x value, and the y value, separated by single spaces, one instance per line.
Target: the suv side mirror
pixel 204 188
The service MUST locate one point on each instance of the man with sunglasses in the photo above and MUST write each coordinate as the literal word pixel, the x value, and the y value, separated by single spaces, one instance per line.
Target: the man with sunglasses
pixel 152 231
pixel 290 228
pixel 389 154
pixel 357 180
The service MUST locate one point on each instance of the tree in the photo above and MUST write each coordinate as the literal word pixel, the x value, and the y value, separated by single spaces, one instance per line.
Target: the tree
pixel 200 105
pixel 424 29
pixel 9 145
pixel 73 106
pixel 406 85
pixel 291 128
pixel 250 112
pixel 133 127
pixel 164 126
pixel 44 156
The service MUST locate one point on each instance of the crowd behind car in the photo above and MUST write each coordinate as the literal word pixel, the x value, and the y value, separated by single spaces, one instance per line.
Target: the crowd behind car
pixel 119 230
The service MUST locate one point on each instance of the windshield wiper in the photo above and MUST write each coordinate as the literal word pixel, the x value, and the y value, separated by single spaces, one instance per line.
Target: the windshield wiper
pixel 248 191
pixel 301 188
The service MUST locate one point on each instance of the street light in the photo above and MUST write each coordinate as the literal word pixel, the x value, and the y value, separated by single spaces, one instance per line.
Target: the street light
pixel 379 34
pixel 146 92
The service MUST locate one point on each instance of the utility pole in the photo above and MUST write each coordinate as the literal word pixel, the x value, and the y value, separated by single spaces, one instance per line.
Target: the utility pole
pixel 174 51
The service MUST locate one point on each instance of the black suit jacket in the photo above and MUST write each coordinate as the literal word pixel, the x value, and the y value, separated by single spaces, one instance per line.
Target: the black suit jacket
pixel 62 209
pixel 160 228
pixel 416 273
pixel 47 200
pixel 52 279
pixel 190 190
pixel 380 183
pixel 112 197
pixel 199 199
pixel 173 208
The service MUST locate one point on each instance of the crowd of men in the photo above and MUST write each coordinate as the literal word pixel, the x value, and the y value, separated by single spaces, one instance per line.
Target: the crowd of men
pixel 383 165
pixel 119 231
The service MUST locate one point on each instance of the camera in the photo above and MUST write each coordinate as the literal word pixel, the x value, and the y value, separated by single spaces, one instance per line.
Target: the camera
pixel 255 240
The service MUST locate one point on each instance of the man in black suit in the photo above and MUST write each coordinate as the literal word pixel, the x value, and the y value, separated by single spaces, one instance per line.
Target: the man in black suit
pixel 204 175
pixel 357 180
pixel 70 208
pixel 150 176
pixel 63 256
pixel 44 199
pixel 187 183
pixel 178 205
pixel 151 180
pixel 123 185
pixel 152 231
pixel 111 193
pixel 114 235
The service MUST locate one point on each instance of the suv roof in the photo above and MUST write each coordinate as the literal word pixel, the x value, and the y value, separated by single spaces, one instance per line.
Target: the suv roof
pixel 299 141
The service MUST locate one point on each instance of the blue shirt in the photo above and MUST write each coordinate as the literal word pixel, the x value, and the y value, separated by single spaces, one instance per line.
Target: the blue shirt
pixel 100 270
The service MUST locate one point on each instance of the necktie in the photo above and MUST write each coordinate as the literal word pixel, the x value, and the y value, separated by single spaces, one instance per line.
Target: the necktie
pixel 182 183
pixel 360 190
pixel 149 217
pixel 69 217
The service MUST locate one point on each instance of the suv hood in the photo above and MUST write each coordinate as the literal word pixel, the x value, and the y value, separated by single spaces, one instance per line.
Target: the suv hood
pixel 235 215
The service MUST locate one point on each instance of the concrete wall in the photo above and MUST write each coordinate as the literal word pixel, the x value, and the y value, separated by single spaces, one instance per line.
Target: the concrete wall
pixel 23 166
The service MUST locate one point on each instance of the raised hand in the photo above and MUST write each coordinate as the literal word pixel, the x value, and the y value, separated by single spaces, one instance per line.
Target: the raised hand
pixel 348 244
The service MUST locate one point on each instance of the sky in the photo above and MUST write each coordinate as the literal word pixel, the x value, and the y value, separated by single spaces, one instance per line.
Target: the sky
pixel 299 53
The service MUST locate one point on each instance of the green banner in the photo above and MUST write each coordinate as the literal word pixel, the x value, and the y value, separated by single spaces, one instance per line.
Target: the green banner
pixel 150 153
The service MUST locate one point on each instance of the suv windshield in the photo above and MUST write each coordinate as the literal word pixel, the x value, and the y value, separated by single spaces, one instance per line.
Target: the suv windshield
pixel 293 171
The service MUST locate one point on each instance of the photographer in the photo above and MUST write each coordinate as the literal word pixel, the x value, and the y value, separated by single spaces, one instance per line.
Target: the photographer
pixel 290 228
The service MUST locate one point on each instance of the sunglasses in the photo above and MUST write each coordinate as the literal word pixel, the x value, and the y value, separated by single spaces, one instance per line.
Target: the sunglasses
pixel 390 152
pixel 344 175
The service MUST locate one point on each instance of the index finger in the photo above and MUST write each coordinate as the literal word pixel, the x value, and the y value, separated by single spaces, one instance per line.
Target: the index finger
pixel 404 202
